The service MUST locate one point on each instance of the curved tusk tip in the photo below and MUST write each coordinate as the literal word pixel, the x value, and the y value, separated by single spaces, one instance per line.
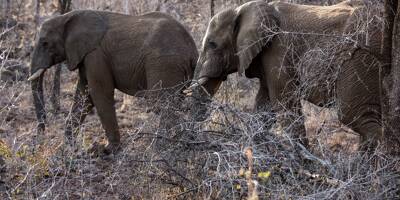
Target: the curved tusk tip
pixel 186 91
pixel 36 75
pixel 202 81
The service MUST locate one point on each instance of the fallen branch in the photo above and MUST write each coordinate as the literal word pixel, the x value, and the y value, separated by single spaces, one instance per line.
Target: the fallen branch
pixel 321 178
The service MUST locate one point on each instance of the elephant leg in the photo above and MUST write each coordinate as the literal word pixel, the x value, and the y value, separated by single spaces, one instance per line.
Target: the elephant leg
pixel 262 98
pixel 358 98
pixel 287 107
pixel 101 89
pixel 365 120
pixel 367 123
pixel 81 106
pixel 290 119
pixel 370 135
pixel 281 86
pixel 170 101
pixel 55 93
pixel 170 118
pixel 104 102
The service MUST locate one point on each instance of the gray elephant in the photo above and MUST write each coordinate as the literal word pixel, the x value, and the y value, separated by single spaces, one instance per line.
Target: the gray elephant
pixel 269 41
pixel 111 51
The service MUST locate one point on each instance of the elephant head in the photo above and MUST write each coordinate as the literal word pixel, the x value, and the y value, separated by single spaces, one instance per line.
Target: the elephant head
pixel 67 37
pixel 233 39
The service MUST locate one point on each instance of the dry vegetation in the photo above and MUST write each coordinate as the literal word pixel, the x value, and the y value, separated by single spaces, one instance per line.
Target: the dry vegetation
pixel 234 154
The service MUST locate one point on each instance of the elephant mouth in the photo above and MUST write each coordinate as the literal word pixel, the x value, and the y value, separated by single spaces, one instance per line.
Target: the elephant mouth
pixel 195 84
pixel 203 83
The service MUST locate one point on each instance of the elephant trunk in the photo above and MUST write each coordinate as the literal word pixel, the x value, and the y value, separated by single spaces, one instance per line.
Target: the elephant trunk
pixel 39 63
pixel 197 70
pixel 38 101
pixel 206 77
pixel 200 92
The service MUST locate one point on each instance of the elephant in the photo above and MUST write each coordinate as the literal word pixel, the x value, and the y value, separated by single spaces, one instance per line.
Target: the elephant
pixel 112 51
pixel 269 41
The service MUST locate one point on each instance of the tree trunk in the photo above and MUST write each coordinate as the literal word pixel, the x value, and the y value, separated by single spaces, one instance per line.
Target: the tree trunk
pixel 388 78
pixel 126 7
pixel 384 75
pixel 394 136
pixel 64 6
pixel 37 13
pixel 7 12
pixel 212 7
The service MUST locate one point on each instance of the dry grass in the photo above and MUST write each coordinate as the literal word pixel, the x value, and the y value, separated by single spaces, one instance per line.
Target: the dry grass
pixel 234 154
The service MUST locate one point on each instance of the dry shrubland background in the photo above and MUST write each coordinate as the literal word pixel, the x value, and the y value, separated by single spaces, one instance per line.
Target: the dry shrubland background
pixel 235 154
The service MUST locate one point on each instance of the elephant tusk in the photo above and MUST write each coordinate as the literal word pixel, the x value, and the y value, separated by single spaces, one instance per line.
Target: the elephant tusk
pixel 200 82
pixel 36 75
pixel 189 91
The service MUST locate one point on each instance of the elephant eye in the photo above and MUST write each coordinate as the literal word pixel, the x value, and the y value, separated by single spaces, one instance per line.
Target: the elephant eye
pixel 212 45
pixel 45 44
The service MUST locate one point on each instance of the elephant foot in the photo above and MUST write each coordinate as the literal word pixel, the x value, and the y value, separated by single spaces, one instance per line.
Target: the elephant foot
pixel 369 145
pixel 112 148
pixel 70 138
pixel 41 127
pixel 98 150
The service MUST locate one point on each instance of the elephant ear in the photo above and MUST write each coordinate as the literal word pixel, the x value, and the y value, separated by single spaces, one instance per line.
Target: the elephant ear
pixel 255 26
pixel 83 33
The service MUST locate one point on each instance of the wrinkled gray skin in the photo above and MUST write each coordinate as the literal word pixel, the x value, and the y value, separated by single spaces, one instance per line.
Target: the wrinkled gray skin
pixel 251 40
pixel 111 51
